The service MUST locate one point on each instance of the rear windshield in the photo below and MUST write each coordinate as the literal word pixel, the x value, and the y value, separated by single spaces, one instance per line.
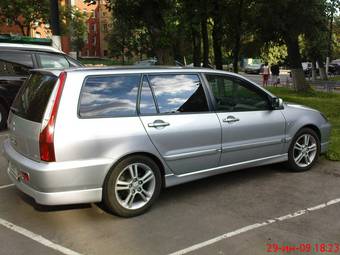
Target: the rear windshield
pixel 33 96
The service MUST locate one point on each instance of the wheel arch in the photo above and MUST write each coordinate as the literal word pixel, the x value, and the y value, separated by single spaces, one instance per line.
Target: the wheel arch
pixel 314 128
pixel 146 154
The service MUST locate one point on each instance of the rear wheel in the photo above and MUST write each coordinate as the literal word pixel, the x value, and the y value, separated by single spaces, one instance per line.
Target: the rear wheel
pixel 132 186
pixel 3 117
pixel 304 150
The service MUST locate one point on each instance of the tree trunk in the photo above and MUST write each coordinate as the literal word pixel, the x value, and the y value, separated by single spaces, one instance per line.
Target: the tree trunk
pixel 294 58
pixel 217 45
pixel 217 37
pixel 123 50
pixel 237 46
pixel 28 30
pixel 322 70
pixel 330 39
pixel 196 46
pixel 22 28
pixel 313 71
pixel 205 38
pixel 164 56
pixel 236 53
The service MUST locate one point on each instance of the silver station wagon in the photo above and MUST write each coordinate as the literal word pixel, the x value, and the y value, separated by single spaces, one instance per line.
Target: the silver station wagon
pixel 119 135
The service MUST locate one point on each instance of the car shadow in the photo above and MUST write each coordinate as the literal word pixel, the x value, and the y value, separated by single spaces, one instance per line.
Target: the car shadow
pixel 175 193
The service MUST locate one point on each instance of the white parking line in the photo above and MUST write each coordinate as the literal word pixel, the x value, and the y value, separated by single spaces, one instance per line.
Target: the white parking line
pixel 255 226
pixel 37 238
pixel 6 186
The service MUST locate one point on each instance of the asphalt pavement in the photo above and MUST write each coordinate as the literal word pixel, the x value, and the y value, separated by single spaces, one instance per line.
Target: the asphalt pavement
pixel 244 212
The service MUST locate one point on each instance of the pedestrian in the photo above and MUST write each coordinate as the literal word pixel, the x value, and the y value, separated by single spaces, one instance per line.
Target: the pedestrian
pixel 265 74
pixel 275 70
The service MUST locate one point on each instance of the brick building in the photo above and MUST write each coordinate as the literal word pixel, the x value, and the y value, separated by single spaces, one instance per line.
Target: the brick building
pixel 98 23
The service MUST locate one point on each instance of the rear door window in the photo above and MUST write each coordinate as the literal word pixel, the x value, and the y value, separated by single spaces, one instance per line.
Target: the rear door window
pixel 179 93
pixel 33 96
pixel 15 63
pixel 52 61
pixel 109 96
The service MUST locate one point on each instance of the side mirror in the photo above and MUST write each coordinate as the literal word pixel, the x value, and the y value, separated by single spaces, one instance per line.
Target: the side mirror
pixel 277 103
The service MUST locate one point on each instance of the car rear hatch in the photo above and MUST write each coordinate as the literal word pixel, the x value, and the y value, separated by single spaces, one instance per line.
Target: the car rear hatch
pixel 27 113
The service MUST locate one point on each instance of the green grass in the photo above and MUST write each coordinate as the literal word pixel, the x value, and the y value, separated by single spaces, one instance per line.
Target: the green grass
pixel 335 78
pixel 326 102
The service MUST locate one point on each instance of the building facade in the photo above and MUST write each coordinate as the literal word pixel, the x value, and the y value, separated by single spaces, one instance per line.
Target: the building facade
pixel 98 23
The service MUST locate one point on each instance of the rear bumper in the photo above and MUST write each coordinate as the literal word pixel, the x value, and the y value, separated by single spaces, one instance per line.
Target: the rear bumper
pixel 59 198
pixel 58 183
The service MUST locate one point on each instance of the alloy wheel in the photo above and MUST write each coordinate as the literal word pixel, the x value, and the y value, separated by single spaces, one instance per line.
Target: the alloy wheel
pixel 305 150
pixel 135 186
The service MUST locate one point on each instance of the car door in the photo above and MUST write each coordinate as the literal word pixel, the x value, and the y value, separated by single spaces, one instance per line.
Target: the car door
pixel 175 113
pixel 251 129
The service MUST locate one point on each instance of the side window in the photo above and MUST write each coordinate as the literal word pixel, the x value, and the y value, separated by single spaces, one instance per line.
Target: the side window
pixel 109 96
pixel 179 93
pixel 234 95
pixel 15 64
pixel 147 103
pixel 73 62
pixel 52 61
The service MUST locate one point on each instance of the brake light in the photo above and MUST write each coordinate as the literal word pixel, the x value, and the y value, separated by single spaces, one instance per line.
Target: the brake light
pixel 46 138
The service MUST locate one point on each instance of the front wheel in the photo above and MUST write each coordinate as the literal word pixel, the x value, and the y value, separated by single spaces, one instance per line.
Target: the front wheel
pixel 132 186
pixel 304 150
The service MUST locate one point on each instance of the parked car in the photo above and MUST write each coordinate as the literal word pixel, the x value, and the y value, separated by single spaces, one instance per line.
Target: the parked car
pixel 334 67
pixel 15 62
pixel 253 68
pixel 119 135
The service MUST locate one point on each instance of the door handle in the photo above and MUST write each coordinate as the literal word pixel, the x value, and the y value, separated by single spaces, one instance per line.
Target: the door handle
pixel 158 123
pixel 231 119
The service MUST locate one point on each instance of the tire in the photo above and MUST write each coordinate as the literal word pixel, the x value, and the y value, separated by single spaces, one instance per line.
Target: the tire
pixel 126 195
pixel 300 156
pixel 3 117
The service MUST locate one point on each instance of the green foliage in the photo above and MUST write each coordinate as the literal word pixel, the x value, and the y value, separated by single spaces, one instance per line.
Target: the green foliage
pixel 274 53
pixel 99 62
pixel 327 103
pixel 24 12
pixel 336 38
pixel 73 22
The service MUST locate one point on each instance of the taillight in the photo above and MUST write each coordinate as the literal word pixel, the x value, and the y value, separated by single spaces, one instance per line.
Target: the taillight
pixel 46 138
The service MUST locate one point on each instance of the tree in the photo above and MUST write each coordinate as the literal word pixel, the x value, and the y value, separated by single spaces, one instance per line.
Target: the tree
pixel 336 38
pixel 274 53
pixel 333 7
pixel 73 22
pixel 317 49
pixel 155 16
pixel 285 21
pixel 217 32
pixel 23 13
